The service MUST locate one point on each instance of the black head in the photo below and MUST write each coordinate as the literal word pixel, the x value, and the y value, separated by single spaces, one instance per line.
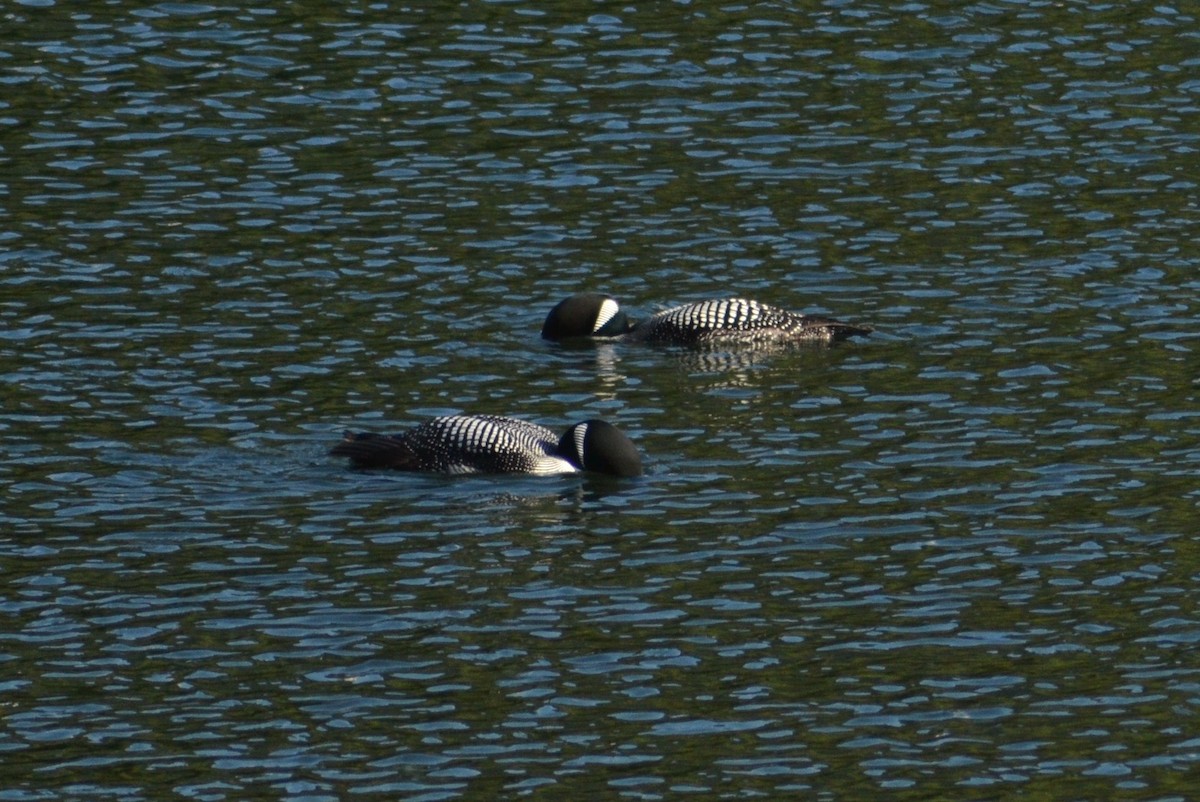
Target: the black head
pixel 588 314
pixel 597 445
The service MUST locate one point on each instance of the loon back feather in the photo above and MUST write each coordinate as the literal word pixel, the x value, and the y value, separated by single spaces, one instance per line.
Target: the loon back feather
pixel 735 320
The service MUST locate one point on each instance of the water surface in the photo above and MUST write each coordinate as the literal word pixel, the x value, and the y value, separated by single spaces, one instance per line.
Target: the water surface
pixel 954 560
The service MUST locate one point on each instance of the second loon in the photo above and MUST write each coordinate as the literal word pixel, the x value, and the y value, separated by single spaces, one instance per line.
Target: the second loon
pixel 729 320
pixel 489 444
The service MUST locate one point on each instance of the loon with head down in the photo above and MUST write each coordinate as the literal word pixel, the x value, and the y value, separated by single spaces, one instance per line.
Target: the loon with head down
pixel 718 322
pixel 458 444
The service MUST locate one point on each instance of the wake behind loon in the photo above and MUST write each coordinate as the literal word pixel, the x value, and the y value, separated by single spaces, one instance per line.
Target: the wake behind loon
pixel 724 321
pixel 457 444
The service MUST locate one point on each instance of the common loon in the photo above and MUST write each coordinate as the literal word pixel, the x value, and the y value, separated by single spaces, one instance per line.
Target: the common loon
pixel 490 444
pixel 729 320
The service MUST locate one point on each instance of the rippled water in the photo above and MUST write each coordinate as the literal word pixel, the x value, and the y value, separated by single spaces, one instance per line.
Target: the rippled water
pixel 955 560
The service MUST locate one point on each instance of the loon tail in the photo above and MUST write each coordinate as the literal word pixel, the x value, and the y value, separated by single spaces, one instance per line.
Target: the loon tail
pixel 842 331
pixel 835 330
pixel 367 450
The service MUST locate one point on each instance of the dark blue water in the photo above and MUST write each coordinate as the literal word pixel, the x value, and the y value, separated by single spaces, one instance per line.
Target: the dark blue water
pixel 954 560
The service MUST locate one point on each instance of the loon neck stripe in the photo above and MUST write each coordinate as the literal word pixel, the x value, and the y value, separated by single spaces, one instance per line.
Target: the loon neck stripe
pixel 579 435
pixel 608 309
